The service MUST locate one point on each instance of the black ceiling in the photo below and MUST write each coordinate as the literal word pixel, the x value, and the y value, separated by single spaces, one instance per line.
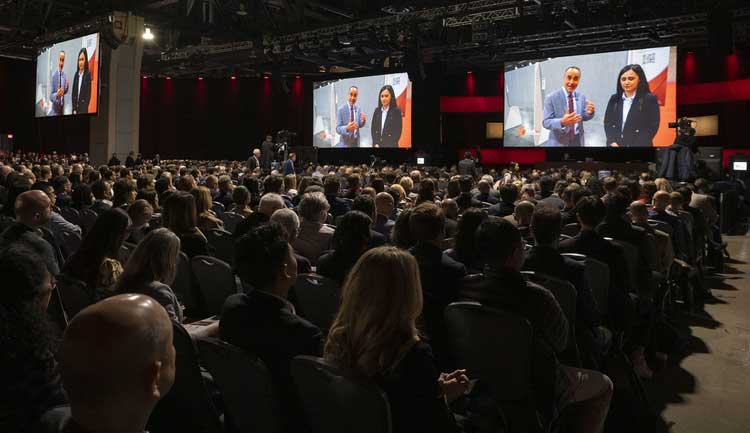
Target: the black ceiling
pixel 316 36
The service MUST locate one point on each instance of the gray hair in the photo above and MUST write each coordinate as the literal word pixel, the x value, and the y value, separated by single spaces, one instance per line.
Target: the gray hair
pixel 289 222
pixel 312 205
pixel 270 201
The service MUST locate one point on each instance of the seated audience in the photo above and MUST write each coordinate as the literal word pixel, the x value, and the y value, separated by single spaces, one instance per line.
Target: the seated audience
pixel 314 236
pixel 241 198
pixel 350 241
pixel 288 220
pixel 152 268
pixel 117 362
pixel 180 217
pixel 31 384
pixel 332 187
pixel 96 262
pixel 384 205
pixel 262 321
pixel 450 210
pixel 465 250
pixel 140 213
pixel 269 204
pixel 506 206
pixel 375 336
pixel 555 385
pixel 207 219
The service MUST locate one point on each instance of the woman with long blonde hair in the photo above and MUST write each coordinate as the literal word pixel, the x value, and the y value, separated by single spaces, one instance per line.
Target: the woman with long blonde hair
pixel 375 336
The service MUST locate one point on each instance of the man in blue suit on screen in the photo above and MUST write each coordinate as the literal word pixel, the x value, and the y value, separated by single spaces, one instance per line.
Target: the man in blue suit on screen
pixel 565 110
pixel 59 86
pixel 349 119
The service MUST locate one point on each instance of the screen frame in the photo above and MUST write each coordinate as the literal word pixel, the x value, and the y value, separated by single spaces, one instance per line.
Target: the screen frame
pixel 507 64
pixel 100 46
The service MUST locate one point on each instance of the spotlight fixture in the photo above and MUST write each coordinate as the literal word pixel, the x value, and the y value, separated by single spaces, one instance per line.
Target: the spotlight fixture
pixel 241 11
pixel 147 35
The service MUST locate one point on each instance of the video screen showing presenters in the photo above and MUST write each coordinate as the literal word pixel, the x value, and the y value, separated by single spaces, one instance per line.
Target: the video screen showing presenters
pixel 617 99
pixel 372 111
pixel 67 77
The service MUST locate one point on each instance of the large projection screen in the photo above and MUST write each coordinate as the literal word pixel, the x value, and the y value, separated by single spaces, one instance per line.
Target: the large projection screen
pixel 67 77
pixel 367 123
pixel 534 100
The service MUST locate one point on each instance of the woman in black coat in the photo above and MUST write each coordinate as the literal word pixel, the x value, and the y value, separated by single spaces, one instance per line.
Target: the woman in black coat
pixel 639 126
pixel 386 134
pixel 82 79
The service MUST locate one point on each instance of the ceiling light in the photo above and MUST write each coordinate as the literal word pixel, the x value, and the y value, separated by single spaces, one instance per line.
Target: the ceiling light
pixel 147 35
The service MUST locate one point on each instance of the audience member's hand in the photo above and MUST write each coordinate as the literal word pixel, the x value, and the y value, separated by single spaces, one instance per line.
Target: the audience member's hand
pixel 453 384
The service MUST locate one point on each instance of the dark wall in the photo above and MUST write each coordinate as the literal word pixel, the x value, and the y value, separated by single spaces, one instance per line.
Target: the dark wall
pixel 17 95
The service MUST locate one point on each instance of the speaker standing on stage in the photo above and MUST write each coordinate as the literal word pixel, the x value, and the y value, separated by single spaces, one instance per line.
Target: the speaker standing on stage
pixel 565 110
pixel 349 119
pixel 632 116
pixel 82 84
pixel 386 120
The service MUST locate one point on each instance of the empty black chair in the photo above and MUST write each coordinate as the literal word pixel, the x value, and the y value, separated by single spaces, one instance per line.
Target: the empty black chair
pixel 215 282
pixel 503 367
pixel 597 278
pixel 336 403
pixel 222 242
pixel 71 215
pixel 218 208
pixel 571 229
pixel 69 243
pixel 631 260
pixel 188 406
pixel 663 226
pixel 245 385
pixel 126 249
pixel 317 299
pixel 231 220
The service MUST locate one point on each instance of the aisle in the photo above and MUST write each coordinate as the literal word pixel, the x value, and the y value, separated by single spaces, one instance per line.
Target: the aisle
pixel 708 390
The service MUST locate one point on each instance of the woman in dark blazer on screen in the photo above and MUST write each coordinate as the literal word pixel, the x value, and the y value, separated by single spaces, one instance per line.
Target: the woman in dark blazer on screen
pixel 639 126
pixel 386 134
pixel 82 79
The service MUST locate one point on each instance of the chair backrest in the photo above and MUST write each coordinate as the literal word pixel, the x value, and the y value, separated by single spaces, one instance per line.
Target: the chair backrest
pixel 188 406
pixel 661 225
pixel 335 403
pixel 74 294
pixel 216 282
pixel 69 242
pixel 250 399
pixel 631 260
pixel 185 287
pixel 88 219
pixel 597 278
pixel 231 220
pixel 317 299
pixel 218 208
pixel 571 229
pixel 505 365
pixel 728 212
pixel 126 249
pixel 71 215
pixel 222 242
pixel 565 293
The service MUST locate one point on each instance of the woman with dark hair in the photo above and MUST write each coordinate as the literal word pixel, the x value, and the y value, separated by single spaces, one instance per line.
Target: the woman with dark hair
pixel 465 249
pixel 181 217
pixel 31 384
pixel 96 263
pixel 632 116
pixel 386 120
pixel 349 243
pixel 82 84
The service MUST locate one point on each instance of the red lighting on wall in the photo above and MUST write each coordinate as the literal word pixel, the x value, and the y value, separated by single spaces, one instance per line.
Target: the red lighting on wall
pixel 689 68
pixel 297 77
pixel 470 86
pixel 731 67
pixel 266 77
pixel 169 78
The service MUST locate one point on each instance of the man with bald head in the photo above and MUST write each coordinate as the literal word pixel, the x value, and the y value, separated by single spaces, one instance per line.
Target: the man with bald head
pixel 117 362
pixel 33 212
pixel 269 204
pixel 383 224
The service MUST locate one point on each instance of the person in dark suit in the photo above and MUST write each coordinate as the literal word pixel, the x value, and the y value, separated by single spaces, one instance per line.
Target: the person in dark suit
pixel 565 110
pixel 60 85
pixel 289 164
pixel 254 161
pixel 82 84
pixel 504 287
pixel 383 224
pixel 350 241
pixel 506 206
pixel 332 187
pixel 467 166
pixel 267 154
pixel 386 120
pixel 262 321
pixel 441 276
pixel 349 120
pixel 632 115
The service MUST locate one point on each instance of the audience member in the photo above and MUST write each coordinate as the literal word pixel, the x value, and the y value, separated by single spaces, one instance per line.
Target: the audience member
pixel 288 220
pixel 314 236
pixel 465 250
pixel 180 217
pixel 140 213
pixel 206 217
pixel 350 241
